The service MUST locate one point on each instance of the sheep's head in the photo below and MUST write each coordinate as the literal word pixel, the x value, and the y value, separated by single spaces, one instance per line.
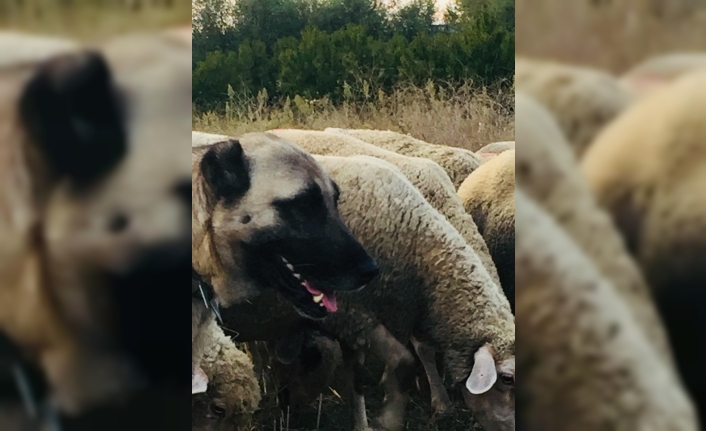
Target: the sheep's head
pixel 211 411
pixel 490 390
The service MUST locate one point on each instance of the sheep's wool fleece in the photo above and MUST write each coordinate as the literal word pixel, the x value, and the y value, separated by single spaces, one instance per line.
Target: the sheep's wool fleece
pixel 492 150
pixel 582 99
pixel 488 194
pixel 230 373
pixel 585 363
pixel 649 170
pixel 547 170
pixel 424 174
pixel 438 285
pixel 18 48
pixel 457 162
pixel 660 70
pixel 200 139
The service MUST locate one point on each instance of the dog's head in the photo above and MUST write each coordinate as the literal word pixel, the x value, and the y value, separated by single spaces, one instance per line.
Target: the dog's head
pixel 105 138
pixel 266 213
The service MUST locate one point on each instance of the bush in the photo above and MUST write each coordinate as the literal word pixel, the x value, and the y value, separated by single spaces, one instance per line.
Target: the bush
pixel 302 47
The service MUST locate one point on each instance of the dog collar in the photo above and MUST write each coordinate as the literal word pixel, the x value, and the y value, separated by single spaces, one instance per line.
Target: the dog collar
pixel 29 382
pixel 201 289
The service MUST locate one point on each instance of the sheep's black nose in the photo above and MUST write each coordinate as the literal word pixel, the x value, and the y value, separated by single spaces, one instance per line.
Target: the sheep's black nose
pixel 368 270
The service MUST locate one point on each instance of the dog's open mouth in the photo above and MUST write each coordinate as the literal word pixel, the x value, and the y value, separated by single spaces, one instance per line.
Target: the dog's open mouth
pixel 320 297
pixel 309 299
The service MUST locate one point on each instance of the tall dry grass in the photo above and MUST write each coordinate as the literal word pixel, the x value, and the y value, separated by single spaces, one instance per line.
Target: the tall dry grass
pixel 609 34
pixel 464 116
pixel 92 20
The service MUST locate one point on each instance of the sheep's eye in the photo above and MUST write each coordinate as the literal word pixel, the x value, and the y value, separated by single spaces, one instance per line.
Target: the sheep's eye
pixel 218 411
pixel 507 379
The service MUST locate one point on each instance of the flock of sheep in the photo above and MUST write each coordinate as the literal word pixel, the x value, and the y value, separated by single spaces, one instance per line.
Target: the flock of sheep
pixel 604 233
pixel 611 244
pixel 443 286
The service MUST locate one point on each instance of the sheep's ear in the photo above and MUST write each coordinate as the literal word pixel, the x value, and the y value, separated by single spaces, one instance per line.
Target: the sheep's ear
pixel 484 374
pixel 72 111
pixel 199 381
pixel 226 170
pixel 288 348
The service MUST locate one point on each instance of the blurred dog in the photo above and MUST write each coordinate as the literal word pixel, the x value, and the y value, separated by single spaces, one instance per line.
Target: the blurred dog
pixel 94 216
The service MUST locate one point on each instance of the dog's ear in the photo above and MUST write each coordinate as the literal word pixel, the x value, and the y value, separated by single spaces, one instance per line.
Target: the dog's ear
pixel 226 170
pixel 72 111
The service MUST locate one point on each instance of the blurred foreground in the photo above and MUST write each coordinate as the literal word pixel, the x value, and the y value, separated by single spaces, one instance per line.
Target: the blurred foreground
pixel 610 210
pixel 94 214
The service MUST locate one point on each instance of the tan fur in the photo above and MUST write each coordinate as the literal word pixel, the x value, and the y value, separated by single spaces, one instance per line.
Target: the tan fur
pixel 385 211
pixel 548 171
pixel 424 174
pixel 585 363
pixel 583 100
pixel 488 194
pixel 492 150
pixel 232 385
pixel 51 237
pixel 282 170
pixel 28 314
pixel 654 198
pixel 18 48
pixel 457 162
pixel 658 71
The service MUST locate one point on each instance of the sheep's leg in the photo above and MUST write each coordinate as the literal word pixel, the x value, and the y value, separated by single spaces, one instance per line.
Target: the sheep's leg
pixel 398 381
pixel 440 401
pixel 353 361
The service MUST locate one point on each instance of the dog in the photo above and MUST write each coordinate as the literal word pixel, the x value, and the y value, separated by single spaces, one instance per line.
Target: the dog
pixel 94 219
pixel 264 216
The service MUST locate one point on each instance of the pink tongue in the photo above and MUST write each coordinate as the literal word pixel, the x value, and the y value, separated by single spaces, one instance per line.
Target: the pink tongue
pixel 329 300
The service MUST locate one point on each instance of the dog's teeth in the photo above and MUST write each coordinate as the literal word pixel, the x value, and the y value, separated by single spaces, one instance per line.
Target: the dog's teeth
pixel 319 298
pixel 299 277
pixel 321 304
pixel 290 266
pixel 284 260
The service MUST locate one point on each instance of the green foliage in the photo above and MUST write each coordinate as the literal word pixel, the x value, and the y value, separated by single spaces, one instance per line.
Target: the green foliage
pixel 334 48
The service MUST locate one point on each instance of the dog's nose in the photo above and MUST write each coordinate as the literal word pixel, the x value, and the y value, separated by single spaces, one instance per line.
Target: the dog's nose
pixel 369 269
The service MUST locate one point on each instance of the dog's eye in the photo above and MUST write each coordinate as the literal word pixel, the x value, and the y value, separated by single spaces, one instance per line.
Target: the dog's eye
pixel 217 410
pixel 309 199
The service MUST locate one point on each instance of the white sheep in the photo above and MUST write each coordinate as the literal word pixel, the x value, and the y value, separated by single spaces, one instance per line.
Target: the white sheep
pixel 424 174
pixel 547 169
pixel 583 100
pixel 21 48
pixel 233 393
pixel 648 170
pixel 457 162
pixel 585 362
pixel 432 286
pixel 493 149
pixel 488 195
pixel 658 71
